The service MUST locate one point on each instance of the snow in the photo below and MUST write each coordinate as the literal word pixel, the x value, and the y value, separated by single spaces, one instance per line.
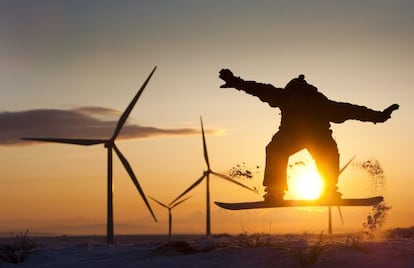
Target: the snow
pixel 260 250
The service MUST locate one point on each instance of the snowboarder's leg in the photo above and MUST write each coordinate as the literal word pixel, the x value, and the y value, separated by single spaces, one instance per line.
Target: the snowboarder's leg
pixel 324 151
pixel 277 156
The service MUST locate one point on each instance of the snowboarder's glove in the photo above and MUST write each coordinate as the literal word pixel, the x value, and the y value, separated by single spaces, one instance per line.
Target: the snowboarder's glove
pixel 386 114
pixel 229 78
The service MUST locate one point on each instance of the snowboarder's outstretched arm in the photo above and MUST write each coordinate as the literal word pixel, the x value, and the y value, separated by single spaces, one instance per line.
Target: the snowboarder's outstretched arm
pixel 340 112
pixel 265 92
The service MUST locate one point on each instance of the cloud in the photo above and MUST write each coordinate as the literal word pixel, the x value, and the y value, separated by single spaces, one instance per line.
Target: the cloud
pixel 83 122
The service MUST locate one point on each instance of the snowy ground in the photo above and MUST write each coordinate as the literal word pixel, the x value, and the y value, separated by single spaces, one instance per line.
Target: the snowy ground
pixel 256 250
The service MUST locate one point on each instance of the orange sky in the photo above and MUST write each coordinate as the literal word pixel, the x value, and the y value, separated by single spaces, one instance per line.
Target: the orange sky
pixel 68 56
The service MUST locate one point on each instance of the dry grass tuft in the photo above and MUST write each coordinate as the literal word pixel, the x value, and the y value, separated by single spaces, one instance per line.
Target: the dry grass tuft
pixel 173 248
pixel 308 254
pixel 254 240
pixel 17 249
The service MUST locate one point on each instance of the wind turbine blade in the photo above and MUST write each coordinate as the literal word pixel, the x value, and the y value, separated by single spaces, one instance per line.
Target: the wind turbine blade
pixel 128 110
pixel 204 145
pixel 68 141
pixel 340 172
pixel 159 203
pixel 197 182
pixel 176 204
pixel 233 181
pixel 128 168
pixel 347 164
pixel 340 215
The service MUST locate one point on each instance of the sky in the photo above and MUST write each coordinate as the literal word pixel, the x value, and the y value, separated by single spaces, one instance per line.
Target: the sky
pixel 70 68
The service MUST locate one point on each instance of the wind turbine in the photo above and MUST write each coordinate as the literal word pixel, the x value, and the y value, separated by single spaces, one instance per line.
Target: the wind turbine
pixel 206 175
pixel 169 207
pixel 339 207
pixel 110 145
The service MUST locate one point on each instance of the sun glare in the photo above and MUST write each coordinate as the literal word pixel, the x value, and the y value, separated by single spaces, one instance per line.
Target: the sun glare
pixel 305 182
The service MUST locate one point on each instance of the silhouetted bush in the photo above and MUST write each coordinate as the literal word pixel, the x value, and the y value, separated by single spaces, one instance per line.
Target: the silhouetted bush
pixel 401 233
pixel 17 249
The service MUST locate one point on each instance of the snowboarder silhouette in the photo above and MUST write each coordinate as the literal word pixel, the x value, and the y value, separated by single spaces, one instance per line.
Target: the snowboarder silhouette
pixel 305 124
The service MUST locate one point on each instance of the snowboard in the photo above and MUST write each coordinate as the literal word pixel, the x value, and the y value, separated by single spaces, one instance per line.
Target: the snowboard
pixel 370 201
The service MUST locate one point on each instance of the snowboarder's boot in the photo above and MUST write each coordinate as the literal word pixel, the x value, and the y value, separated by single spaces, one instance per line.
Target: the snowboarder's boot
pixel 272 195
pixel 331 195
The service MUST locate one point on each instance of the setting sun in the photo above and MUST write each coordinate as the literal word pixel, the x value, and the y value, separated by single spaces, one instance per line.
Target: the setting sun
pixel 304 181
